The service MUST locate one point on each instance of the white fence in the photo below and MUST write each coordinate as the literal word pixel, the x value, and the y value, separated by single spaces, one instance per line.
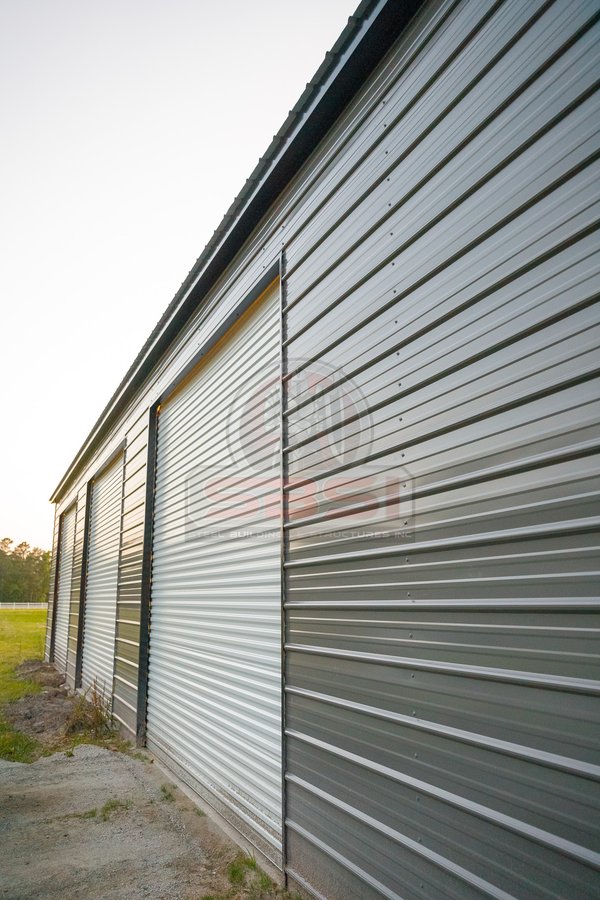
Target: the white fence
pixel 23 605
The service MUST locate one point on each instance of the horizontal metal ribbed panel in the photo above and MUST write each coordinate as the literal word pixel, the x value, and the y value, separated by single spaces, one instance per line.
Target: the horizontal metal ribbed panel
pixel 100 605
pixel 214 681
pixel 127 637
pixel 442 459
pixel 63 594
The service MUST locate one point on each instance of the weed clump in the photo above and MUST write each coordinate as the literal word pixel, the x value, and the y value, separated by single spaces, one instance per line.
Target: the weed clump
pixel 167 792
pixel 112 806
pixel 90 715
pixel 90 814
pixel 236 871
pixel 244 871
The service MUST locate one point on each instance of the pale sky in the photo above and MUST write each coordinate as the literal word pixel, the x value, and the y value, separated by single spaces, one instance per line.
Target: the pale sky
pixel 127 127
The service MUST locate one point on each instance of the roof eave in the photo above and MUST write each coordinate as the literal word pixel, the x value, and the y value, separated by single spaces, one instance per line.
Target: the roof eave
pixel 366 38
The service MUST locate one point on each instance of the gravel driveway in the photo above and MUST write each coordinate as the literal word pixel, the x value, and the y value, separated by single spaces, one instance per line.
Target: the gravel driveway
pixel 143 840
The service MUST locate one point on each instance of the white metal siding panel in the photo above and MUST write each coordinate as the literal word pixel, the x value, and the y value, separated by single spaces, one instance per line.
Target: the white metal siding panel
pixel 442 343
pixel 63 595
pixel 100 606
pixel 127 637
pixel 214 689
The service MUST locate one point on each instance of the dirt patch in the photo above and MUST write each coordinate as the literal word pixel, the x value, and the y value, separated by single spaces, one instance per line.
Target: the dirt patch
pixel 41 716
pixel 56 718
pixel 40 672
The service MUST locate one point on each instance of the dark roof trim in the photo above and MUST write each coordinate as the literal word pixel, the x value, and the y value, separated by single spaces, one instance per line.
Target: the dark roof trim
pixel 364 41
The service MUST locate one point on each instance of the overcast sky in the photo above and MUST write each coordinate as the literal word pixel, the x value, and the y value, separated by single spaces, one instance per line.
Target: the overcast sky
pixel 127 127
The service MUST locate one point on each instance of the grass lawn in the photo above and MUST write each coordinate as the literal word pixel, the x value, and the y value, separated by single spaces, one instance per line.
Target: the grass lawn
pixel 22 633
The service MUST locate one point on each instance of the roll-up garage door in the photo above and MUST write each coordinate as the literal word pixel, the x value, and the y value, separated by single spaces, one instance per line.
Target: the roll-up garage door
pixel 214 693
pixel 63 594
pixel 100 608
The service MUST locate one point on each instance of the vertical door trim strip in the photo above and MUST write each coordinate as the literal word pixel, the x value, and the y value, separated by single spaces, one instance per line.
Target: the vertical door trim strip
pixel 142 697
pixel 282 539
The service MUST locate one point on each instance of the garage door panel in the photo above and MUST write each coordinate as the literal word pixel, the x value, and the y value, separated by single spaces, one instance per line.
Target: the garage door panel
pixel 214 681
pixel 100 604
pixel 63 594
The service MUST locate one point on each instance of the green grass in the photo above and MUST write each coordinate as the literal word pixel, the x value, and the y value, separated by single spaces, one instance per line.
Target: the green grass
pixel 265 882
pixel 22 635
pixel 90 814
pixel 15 746
pixel 244 870
pixel 112 806
pixel 236 871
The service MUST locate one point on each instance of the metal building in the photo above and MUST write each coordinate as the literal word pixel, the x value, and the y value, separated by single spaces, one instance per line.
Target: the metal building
pixel 330 550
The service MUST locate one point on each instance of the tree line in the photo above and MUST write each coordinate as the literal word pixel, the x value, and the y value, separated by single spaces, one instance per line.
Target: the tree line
pixel 24 572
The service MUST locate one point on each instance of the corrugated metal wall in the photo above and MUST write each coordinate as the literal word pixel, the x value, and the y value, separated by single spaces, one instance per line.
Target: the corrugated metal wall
pixel 63 592
pixel 442 349
pixel 130 560
pixel 102 570
pixel 214 680
pixel 127 641
pixel 440 582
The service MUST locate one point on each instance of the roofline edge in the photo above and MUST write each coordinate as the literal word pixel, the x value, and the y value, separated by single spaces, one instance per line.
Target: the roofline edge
pixel 363 43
